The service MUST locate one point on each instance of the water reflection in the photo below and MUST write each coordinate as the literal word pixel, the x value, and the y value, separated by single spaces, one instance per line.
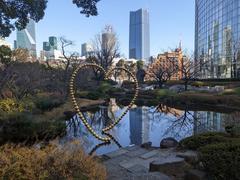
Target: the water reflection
pixel 144 124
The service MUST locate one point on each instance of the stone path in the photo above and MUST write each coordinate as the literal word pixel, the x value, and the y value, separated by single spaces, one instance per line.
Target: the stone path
pixel 137 163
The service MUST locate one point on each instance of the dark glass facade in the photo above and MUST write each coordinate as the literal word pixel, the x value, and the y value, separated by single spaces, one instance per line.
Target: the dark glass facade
pixel 217 38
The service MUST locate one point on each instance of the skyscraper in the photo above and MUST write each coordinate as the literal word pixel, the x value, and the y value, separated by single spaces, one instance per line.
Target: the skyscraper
pixel 26 38
pixel 53 43
pixel 139 35
pixel 217 38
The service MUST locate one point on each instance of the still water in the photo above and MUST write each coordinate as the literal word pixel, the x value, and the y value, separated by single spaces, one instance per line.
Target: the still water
pixel 143 124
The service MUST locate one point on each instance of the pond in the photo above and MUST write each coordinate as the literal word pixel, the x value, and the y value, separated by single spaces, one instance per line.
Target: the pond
pixel 143 124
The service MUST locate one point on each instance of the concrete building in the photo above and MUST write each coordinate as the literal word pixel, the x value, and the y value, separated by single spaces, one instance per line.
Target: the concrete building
pixel 26 39
pixel 172 59
pixel 139 35
pixel 217 37
pixel 87 50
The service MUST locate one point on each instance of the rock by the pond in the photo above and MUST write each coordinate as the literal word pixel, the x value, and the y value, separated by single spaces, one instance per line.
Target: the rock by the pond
pixel 168 143
pixel 194 174
pixel 147 145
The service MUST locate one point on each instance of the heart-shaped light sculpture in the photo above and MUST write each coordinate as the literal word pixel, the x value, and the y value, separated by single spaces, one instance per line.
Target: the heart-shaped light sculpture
pixel 107 76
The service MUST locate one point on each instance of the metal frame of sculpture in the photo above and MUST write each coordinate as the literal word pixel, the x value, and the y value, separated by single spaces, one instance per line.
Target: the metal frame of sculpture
pixel 107 75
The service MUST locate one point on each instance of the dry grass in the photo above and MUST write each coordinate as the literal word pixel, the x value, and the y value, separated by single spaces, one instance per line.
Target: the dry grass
pixel 51 162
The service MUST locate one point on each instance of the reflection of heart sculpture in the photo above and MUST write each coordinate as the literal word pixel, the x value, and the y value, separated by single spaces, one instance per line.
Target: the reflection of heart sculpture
pixel 107 76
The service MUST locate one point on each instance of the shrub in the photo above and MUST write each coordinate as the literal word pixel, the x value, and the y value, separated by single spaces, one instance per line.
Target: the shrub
pixel 104 87
pixel 94 95
pixel 82 94
pixel 160 93
pixel 46 102
pixel 11 105
pixel 197 141
pixel 26 128
pixel 51 162
pixel 222 161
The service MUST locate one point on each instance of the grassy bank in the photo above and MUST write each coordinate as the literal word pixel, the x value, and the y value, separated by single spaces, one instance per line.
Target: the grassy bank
pixel 38 118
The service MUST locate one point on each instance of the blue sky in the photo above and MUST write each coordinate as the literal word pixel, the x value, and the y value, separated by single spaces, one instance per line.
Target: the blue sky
pixel 170 22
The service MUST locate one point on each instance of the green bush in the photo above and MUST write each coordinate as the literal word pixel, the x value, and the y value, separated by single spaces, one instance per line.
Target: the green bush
pixel 197 141
pixel 222 161
pixel 48 102
pixel 24 127
pixel 104 87
pixel 198 83
pixel 94 95
pixel 160 93
pixel 82 94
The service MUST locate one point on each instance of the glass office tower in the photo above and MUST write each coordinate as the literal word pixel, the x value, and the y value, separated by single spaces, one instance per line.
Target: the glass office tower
pixel 139 35
pixel 217 38
pixel 53 43
pixel 26 38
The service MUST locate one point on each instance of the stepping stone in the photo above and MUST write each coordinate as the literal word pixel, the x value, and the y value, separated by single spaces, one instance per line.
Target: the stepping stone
pixel 137 152
pixel 116 153
pixel 150 176
pixel 194 174
pixel 136 169
pixel 170 165
pixel 130 163
pixel 149 154
pixel 189 156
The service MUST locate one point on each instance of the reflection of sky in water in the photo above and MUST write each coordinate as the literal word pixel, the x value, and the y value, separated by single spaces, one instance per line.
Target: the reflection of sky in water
pixel 140 125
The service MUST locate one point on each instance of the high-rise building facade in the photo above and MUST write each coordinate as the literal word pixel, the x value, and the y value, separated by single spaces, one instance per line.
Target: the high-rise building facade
pixel 87 50
pixel 53 43
pixel 26 38
pixel 217 38
pixel 139 35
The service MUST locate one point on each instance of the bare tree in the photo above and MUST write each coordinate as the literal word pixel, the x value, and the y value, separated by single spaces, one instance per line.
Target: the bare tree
pixel 106 47
pixel 191 69
pixel 162 72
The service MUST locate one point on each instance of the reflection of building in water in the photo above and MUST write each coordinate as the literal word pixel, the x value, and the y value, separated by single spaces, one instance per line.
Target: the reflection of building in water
pixel 139 125
pixel 208 121
pixel 113 107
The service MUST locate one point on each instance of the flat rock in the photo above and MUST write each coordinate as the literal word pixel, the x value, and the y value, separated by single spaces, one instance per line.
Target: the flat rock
pixel 137 152
pixel 130 163
pixel 194 174
pixel 189 156
pixel 116 153
pixel 136 169
pixel 171 165
pixel 149 154
pixel 151 176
